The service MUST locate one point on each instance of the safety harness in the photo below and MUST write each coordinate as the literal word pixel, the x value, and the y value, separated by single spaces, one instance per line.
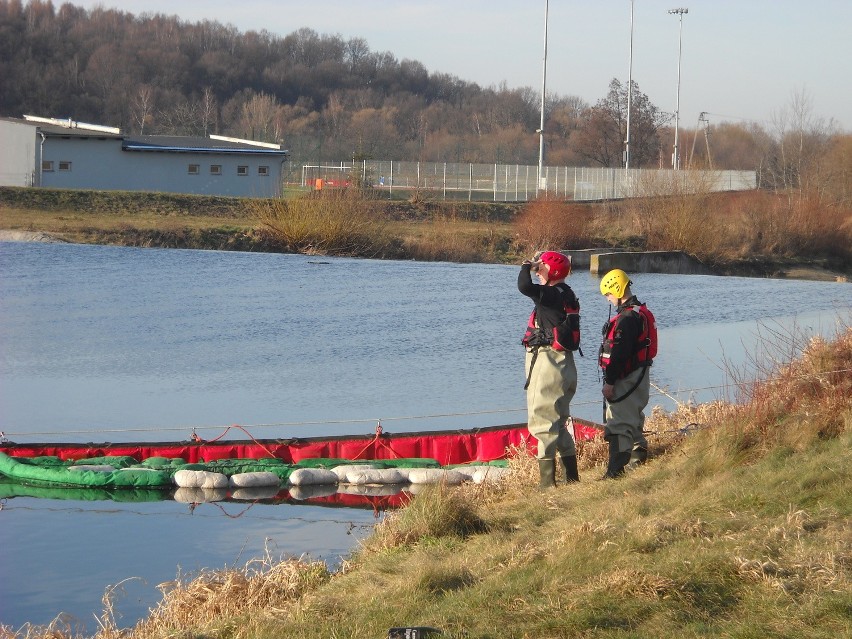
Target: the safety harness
pixel 646 345
pixel 565 336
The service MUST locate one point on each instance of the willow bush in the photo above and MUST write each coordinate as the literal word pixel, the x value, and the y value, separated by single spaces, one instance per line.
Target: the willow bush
pixel 329 222
pixel 674 213
pixel 546 223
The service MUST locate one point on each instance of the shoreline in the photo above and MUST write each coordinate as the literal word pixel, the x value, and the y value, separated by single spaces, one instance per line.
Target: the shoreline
pixel 755 268
pixel 30 236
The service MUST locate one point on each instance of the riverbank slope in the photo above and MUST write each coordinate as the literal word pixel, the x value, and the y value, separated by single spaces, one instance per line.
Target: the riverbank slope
pixel 441 231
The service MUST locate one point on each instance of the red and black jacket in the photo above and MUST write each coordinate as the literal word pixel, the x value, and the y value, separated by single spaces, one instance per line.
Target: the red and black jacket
pixel 629 341
pixel 555 320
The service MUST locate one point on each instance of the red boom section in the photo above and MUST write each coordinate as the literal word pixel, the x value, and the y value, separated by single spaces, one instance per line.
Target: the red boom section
pixel 446 447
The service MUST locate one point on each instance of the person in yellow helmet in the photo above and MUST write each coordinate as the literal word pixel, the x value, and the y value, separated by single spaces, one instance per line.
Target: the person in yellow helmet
pixel 553 333
pixel 627 351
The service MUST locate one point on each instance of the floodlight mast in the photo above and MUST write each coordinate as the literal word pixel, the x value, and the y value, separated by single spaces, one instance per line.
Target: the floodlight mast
pixel 629 92
pixel 676 155
pixel 543 93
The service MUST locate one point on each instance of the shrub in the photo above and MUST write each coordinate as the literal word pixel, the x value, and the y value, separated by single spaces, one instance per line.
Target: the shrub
pixel 547 223
pixel 674 214
pixel 329 222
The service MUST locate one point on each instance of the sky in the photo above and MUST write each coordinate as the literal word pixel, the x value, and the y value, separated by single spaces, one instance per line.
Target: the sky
pixel 740 61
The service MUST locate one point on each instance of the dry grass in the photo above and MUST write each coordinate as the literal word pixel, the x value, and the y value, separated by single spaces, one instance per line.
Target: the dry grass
pixel 815 385
pixel 673 214
pixel 72 224
pixel 741 232
pixel 725 228
pixel 450 238
pixel 263 589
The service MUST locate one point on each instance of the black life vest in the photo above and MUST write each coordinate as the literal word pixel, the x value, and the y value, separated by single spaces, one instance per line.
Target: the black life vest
pixel 646 343
pixel 565 336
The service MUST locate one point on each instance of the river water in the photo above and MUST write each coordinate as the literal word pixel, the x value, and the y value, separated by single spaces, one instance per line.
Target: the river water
pixel 118 344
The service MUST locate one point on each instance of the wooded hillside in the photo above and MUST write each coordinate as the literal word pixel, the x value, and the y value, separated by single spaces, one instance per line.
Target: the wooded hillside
pixel 323 97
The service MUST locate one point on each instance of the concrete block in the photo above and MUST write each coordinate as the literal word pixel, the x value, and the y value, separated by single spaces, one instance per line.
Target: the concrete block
pixel 581 258
pixel 674 262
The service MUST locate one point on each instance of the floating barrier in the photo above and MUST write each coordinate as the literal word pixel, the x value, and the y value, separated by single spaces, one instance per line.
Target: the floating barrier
pixel 331 468
pixel 126 472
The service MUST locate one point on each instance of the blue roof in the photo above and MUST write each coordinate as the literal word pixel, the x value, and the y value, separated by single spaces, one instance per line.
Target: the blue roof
pixel 187 144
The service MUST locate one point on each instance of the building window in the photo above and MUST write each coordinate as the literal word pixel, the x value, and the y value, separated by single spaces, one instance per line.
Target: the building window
pixel 194 169
pixel 242 170
pixel 215 169
pixel 47 165
pixel 263 170
pixel 64 166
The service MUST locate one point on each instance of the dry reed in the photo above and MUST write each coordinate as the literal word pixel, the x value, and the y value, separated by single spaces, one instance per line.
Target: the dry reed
pixel 265 587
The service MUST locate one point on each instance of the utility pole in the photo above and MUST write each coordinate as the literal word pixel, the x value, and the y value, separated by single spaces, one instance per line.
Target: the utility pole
pixel 676 155
pixel 702 117
pixel 707 139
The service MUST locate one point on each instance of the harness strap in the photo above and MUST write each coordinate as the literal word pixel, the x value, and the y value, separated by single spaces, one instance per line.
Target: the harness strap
pixel 534 352
pixel 635 386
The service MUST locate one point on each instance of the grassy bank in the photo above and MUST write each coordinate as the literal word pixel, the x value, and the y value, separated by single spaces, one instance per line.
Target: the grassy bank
pixel 463 232
pixel 751 233
pixel 739 526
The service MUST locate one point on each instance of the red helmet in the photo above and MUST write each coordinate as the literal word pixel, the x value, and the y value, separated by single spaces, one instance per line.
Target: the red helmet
pixel 558 265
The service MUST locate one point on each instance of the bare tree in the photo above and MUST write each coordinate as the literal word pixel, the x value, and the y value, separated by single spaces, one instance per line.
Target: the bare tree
pixel 793 159
pixel 180 118
pixel 604 127
pixel 258 118
pixel 142 107
pixel 208 110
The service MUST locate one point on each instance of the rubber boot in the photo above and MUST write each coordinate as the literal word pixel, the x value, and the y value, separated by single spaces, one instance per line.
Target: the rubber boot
pixel 571 473
pixel 638 456
pixel 547 473
pixel 617 461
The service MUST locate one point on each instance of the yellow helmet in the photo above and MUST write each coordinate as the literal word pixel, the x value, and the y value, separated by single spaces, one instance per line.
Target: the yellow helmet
pixel 615 282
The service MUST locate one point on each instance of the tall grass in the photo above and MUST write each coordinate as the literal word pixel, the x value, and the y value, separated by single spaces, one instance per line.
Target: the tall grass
pixel 451 238
pixel 730 228
pixel 816 385
pixel 738 233
pixel 678 212
pixel 673 213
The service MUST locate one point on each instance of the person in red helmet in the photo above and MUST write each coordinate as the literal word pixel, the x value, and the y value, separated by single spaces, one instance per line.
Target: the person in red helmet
pixel 553 333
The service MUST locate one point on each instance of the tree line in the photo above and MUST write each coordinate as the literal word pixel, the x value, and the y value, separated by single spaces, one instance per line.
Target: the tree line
pixel 329 98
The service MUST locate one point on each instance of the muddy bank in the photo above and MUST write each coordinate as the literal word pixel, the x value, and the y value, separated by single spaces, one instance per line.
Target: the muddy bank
pixel 28 236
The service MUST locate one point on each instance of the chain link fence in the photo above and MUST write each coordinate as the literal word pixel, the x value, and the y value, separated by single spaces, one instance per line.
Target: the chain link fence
pixel 512 182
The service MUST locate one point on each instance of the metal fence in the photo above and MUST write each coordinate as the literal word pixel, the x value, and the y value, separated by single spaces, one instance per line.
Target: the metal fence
pixel 514 182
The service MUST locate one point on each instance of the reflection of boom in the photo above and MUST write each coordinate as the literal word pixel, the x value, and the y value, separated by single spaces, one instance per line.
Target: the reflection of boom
pixel 702 118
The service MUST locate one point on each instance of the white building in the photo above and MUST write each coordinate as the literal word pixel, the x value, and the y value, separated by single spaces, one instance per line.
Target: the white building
pixel 66 154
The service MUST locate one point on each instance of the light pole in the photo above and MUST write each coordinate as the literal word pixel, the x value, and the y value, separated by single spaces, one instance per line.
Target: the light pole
pixel 676 154
pixel 629 92
pixel 541 126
